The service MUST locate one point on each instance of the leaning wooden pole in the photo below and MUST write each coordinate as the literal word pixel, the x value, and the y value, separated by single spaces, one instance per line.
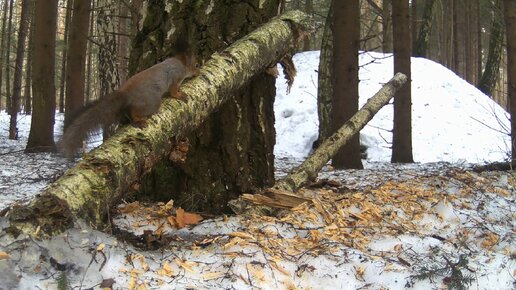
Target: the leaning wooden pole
pixel 309 169
pixel 99 180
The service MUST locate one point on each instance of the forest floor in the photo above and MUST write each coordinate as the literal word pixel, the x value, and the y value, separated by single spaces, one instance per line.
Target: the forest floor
pixel 389 226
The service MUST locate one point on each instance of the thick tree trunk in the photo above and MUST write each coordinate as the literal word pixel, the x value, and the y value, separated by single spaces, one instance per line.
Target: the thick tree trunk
pixel 346 39
pixel 102 177
pixel 402 133
pixel 233 151
pixel 41 136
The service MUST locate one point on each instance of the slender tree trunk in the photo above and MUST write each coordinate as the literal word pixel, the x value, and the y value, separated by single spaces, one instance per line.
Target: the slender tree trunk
pixel 455 37
pixel 346 43
pixel 2 47
pixel 510 22
pixel 27 95
pixel 414 21
pixel 421 44
pixel 76 58
pixel 18 70
pixel 62 79
pixel 478 32
pixel 469 60
pixel 387 26
pixel 402 133
pixel 309 9
pixel 491 71
pixel 89 91
pixel 447 34
pixel 41 136
pixel 8 96
pixel 324 88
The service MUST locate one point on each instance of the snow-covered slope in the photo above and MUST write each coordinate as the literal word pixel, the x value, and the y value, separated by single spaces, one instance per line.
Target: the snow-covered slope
pixel 452 120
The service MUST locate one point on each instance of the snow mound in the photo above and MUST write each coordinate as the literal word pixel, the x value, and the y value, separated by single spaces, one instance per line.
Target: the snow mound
pixel 452 121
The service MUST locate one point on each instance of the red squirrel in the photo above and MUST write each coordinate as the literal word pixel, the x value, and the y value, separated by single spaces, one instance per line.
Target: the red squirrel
pixel 139 97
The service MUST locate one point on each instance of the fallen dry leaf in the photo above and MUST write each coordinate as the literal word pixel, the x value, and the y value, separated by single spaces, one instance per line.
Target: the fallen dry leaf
pixel 213 275
pixel 166 270
pixel 128 208
pixel 4 256
pixel 185 265
pixel 242 235
pixel 101 247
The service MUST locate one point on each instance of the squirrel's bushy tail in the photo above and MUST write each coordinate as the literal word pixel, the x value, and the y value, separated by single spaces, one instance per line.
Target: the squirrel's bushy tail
pixel 105 112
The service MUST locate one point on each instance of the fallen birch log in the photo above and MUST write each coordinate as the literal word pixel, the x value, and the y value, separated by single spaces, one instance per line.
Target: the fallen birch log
pixel 98 181
pixel 281 195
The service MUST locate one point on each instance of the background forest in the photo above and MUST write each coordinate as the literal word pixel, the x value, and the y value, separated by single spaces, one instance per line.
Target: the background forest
pixel 465 36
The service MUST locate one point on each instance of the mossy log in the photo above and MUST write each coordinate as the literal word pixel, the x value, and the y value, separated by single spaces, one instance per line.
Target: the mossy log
pixel 105 174
pixel 282 195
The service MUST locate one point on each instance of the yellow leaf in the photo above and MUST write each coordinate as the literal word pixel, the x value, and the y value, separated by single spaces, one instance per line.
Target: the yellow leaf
pixel 101 247
pixel 169 205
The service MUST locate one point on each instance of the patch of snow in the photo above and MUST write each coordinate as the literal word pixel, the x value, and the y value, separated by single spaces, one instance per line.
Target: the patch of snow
pixel 452 120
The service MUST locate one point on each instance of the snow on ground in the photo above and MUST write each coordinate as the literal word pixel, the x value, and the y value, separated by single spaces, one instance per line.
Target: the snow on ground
pixel 452 120
pixel 390 226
